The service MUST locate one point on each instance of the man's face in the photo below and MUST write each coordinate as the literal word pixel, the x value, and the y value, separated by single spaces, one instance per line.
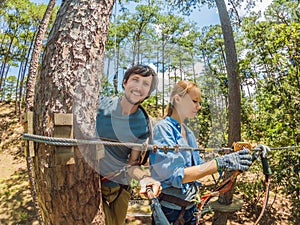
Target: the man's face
pixel 137 88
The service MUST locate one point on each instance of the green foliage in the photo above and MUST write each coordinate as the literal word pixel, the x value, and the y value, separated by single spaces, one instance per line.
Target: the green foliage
pixel 271 111
pixel 269 61
pixel 153 109
pixel 107 89
pixel 272 67
pixel 201 124
pixel 9 89
pixel 187 7
pixel 19 20
pixel 252 191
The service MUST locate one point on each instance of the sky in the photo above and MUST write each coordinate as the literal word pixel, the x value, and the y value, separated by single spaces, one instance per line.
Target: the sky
pixel 203 17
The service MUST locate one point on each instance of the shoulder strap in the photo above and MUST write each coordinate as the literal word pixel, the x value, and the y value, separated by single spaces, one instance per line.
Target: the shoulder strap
pixel 145 154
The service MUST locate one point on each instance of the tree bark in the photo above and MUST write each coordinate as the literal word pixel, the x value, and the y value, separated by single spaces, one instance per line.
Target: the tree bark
pixel 234 98
pixel 234 92
pixel 35 57
pixel 69 83
pixel 30 85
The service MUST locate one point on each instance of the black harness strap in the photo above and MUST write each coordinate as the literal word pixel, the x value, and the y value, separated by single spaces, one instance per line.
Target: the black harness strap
pixel 145 154
pixel 180 220
pixel 175 200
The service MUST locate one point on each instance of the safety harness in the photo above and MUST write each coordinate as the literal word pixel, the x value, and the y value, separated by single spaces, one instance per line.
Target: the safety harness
pixel 180 202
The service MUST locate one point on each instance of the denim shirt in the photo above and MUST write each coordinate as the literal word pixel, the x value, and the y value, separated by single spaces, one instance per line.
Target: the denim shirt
pixel 169 168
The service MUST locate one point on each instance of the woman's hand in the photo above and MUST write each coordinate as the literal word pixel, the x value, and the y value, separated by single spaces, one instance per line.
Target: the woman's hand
pixel 240 160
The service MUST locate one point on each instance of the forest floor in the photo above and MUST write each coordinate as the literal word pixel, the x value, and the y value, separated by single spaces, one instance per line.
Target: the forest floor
pixel 16 205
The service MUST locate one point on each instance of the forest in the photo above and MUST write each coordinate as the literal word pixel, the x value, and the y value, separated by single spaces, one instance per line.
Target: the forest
pixel 266 53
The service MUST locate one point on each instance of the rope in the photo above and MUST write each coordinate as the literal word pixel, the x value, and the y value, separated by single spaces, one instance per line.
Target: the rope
pixel 266 198
pixel 72 142
pixel 75 142
pixel 98 141
pixel 286 148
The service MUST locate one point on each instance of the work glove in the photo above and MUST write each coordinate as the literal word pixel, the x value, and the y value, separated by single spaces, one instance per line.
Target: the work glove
pixel 264 150
pixel 240 160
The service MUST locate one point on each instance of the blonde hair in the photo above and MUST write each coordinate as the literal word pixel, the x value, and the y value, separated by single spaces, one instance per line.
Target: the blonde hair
pixel 181 88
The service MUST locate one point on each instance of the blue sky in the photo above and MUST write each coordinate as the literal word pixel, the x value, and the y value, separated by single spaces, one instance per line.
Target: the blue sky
pixel 203 17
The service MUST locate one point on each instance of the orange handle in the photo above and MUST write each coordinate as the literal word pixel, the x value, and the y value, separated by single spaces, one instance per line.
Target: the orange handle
pixel 237 146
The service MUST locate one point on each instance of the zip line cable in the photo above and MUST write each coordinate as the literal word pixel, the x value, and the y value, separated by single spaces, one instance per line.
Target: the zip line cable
pixel 97 141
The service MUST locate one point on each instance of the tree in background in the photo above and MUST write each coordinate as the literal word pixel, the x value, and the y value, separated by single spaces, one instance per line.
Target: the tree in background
pixel 35 56
pixel 271 63
pixel 19 21
pixel 30 87
pixel 9 89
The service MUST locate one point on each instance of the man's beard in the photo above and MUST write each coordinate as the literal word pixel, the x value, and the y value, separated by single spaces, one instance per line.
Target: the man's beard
pixel 131 102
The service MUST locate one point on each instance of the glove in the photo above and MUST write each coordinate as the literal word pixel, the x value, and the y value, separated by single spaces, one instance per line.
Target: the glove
pixel 265 149
pixel 240 160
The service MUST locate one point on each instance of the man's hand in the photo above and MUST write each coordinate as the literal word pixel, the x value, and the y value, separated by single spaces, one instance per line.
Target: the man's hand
pixel 149 181
pixel 240 160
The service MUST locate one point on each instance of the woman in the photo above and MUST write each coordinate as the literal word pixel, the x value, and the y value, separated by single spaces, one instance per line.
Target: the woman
pixel 179 171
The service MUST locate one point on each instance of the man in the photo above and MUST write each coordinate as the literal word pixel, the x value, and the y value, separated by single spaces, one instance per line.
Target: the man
pixel 122 119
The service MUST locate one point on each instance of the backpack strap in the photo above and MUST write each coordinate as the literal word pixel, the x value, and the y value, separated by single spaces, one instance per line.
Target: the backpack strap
pixel 145 154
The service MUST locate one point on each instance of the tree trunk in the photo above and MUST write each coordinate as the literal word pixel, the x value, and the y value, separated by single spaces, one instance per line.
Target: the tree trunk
pixel 234 97
pixel 35 57
pixel 30 85
pixel 234 92
pixel 69 83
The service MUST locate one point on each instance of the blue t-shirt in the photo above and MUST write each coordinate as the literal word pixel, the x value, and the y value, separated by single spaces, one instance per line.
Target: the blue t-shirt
pixel 169 168
pixel 111 125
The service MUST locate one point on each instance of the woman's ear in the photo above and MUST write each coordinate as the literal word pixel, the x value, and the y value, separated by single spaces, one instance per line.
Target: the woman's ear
pixel 176 98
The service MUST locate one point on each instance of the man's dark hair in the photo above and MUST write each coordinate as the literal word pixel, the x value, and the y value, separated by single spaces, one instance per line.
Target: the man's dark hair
pixel 144 71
